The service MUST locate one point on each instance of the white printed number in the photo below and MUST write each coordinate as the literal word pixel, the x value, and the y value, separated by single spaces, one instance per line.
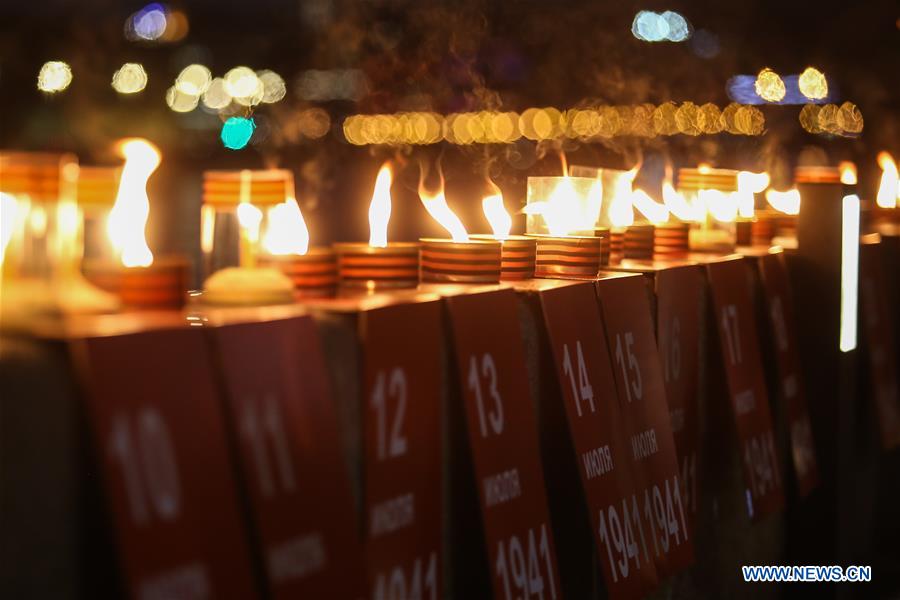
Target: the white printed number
pixel 389 397
pixel 760 459
pixel 415 585
pixel 143 447
pixel 492 416
pixel 661 513
pixel 582 391
pixel 262 424
pixel 521 577
pixel 634 387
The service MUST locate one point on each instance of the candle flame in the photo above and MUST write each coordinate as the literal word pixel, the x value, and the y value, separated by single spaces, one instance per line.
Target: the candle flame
pixel 380 208
pixel 128 216
pixel 8 219
pixel 848 172
pixel 888 189
pixel 436 205
pixel 749 183
pixel 678 205
pixel 787 202
pixel 722 206
pixel 564 212
pixel 621 211
pixel 650 208
pixel 249 218
pixel 287 232
pixel 496 214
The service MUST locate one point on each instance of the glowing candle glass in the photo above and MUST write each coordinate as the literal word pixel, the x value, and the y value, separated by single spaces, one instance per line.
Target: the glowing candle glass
pixel 711 194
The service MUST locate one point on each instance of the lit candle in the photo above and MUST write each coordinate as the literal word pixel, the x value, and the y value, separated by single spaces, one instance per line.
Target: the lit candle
pixel 517 252
pixel 379 264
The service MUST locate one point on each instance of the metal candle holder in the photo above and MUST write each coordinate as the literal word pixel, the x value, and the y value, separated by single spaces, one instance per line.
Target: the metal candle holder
pixel 161 285
pixel 446 261
pixel 517 256
pixel 638 242
pixel 567 257
pixel 393 267
pixel 671 240
pixel 314 274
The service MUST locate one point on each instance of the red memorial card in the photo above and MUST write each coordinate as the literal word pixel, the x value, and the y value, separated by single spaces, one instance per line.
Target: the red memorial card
pixel 732 296
pixel 782 319
pixel 679 303
pixel 584 372
pixel 642 396
pixel 160 437
pixel 878 328
pixel 296 475
pixel 402 354
pixel 503 435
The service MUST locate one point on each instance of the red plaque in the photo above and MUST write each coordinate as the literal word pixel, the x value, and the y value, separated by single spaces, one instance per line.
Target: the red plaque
pixel 650 445
pixel 782 318
pixel 733 309
pixel 402 346
pixel 288 441
pixel 159 431
pixel 583 369
pixel 503 436
pixel 679 301
pixel 878 327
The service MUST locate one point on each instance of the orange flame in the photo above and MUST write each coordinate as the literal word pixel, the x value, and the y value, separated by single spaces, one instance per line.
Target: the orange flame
pixel 787 202
pixel 287 232
pixel 128 217
pixel 380 208
pixel 436 205
pixel 848 172
pixel 496 214
pixel 888 188
pixel 650 208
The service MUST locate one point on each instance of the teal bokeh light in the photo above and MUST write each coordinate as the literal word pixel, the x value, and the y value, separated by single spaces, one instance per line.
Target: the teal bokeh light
pixel 237 131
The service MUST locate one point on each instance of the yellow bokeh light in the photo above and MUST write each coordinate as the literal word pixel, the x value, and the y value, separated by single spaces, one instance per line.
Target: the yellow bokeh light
pixel 849 118
pixel 813 84
pixel 242 82
pixel 179 101
pixel 193 80
pixel 687 119
pixel 769 86
pixel 314 123
pixel 54 76
pixel 215 96
pixel 809 118
pixel 131 78
pixel 664 119
pixel 273 86
pixel 710 118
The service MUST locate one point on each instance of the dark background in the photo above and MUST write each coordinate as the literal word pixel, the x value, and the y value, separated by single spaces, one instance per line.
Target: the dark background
pixel 442 56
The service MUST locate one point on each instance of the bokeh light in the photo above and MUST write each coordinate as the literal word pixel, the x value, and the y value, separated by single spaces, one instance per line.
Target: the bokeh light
pixel 237 131
pixel 216 97
pixel 669 26
pixel 273 86
pixel 679 29
pixel 769 85
pixel 54 76
pixel 813 84
pixel 149 23
pixel 193 80
pixel 131 78
pixel 242 82
pixel 179 101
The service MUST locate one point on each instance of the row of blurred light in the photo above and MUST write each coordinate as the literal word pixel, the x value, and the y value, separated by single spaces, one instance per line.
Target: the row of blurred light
pixel 843 120
pixel 669 26
pixel 490 127
pixel 240 85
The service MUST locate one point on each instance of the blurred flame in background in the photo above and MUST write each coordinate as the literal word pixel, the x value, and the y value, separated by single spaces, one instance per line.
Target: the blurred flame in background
pixel 8 221
pixel 621 211
pixel 286 233
pixel 748 184
pixel 128 218
pixel 654 211
pixel 496 214
pixel 678 205
pixel 848 172
pixel 888 189
pixel 720 205
pixel 380 208
pixel 436 205
pixel 787 202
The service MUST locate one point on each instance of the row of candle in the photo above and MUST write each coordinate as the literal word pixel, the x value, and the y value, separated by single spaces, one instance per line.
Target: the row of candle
pixel 256 248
